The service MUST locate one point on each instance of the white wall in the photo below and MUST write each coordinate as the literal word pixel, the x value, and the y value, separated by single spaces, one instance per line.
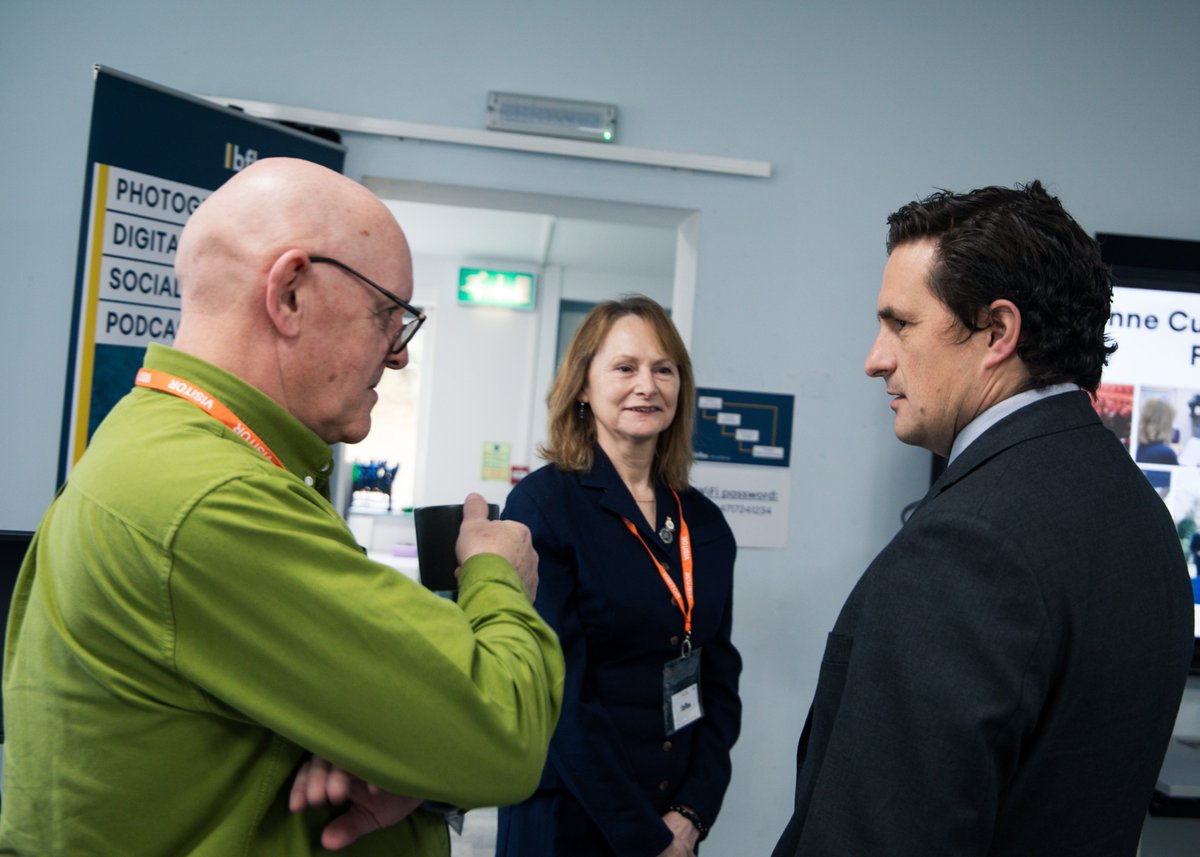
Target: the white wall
pixel 860 107
pixel 480 379
pixel 596 286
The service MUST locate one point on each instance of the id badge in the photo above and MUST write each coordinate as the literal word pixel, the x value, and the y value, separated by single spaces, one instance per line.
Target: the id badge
pixel 681 692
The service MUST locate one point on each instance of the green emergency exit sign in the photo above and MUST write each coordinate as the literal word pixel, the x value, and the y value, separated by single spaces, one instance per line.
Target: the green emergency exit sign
pixel 486 287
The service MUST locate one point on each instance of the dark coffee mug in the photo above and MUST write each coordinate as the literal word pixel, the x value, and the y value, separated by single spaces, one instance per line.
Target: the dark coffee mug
pixel 437 532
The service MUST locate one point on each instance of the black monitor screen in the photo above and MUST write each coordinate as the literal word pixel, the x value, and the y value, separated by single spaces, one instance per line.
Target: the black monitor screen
pixel 13 544
pixel 1150 395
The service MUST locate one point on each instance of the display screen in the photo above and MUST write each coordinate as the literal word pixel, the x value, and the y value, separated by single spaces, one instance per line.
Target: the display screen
pixel 1150 395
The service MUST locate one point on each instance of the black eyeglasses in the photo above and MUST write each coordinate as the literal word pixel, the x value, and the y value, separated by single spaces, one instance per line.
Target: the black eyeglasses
pixel 412 321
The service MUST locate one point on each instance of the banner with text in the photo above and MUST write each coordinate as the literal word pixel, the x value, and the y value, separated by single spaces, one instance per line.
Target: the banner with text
pixel 153 156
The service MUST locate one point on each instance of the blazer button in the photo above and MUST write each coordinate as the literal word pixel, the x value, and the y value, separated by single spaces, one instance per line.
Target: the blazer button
pixel 667 746
pixel 663 786
pixel 674 641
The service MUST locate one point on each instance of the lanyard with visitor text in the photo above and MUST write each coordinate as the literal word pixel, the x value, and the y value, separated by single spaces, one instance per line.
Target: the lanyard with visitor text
pixel 682 702
pixel 168 383
pixel 685 556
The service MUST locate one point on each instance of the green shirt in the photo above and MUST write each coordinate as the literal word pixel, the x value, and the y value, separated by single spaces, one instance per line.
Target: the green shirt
pixel 192 621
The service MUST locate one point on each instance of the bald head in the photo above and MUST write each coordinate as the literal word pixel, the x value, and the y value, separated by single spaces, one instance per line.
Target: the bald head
pixel 271 206
pixel 252 301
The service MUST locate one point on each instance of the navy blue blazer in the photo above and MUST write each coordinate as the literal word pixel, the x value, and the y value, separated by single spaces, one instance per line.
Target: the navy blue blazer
pixel 612 770
pixel 1004 678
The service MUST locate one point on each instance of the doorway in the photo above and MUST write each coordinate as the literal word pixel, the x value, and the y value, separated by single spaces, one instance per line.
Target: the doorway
pixel 483 378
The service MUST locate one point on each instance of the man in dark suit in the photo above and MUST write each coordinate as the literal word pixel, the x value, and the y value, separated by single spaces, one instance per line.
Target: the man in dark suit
pixel 1004 678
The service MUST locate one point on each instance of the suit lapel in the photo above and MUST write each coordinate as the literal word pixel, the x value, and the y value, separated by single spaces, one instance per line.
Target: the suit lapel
pixel 614 496
pixel 1064 412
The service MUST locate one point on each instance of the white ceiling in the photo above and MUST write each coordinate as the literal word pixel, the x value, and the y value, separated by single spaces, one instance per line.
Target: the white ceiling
pixel 541 239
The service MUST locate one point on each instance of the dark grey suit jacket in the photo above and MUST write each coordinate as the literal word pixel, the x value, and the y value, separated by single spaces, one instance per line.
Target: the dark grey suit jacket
pixel 1004 678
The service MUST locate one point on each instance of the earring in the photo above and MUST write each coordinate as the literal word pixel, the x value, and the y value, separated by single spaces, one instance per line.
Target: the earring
pixel 582 410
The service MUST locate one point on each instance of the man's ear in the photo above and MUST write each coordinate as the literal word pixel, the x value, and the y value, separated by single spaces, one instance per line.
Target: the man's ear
pixel 285 302
pixel 1003 330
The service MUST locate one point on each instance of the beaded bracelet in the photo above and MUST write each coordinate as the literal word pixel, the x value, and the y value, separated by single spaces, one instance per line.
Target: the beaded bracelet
pixel 691 815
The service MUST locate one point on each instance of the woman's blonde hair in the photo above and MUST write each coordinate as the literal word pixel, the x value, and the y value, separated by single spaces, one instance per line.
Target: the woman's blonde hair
pixel 572 429
pixel 1154 425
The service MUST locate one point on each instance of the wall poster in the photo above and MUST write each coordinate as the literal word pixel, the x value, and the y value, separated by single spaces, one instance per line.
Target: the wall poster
pixel 154 155
pixel 743 443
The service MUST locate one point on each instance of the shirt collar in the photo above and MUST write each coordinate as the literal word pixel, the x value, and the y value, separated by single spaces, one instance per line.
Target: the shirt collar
pixel 1000 410
pixel 301 451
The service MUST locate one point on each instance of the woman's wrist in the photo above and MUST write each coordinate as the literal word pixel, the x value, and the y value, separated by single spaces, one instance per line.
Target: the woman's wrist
pixel 692 816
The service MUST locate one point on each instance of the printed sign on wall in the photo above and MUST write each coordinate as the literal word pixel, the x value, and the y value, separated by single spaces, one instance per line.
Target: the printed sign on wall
pixel 743 443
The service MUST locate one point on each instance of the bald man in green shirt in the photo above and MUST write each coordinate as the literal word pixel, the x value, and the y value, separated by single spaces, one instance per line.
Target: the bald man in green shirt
pixel 194 621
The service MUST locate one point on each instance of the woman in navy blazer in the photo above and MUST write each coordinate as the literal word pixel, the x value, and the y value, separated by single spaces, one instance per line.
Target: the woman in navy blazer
pixel 630 773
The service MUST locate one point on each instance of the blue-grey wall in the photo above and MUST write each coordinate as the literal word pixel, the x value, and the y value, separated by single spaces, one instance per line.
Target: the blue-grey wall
pixel 860 107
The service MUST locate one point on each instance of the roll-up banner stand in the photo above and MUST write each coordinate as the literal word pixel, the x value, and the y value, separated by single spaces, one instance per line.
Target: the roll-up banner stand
pixel 154 155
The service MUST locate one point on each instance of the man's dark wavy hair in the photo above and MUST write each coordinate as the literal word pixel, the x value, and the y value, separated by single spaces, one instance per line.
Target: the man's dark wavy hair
pixel 1021 245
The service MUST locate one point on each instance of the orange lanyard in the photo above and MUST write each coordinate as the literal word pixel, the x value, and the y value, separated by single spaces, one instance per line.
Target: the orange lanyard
pixel 168 383
pixel 685 557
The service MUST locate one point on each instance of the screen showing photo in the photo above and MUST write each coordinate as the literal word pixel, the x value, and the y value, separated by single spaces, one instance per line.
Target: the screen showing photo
pixel 1150 398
